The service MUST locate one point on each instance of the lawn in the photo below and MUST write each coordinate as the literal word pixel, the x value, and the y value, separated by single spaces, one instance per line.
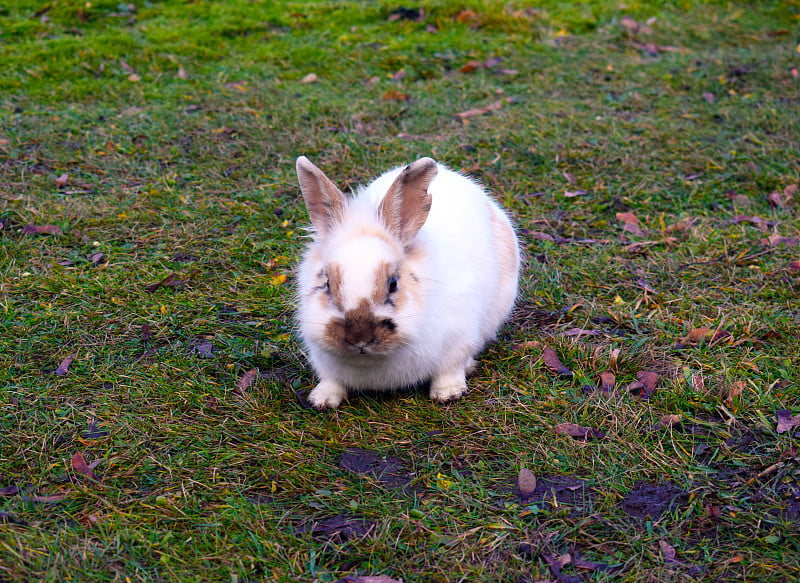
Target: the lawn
pixel 636 420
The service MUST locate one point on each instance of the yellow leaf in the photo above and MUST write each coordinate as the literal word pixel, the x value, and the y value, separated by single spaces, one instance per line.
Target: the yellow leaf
pixel 279 279
pixel 443 482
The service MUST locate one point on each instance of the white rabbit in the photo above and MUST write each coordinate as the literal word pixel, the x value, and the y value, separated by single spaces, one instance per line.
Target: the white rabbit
pixel 403 283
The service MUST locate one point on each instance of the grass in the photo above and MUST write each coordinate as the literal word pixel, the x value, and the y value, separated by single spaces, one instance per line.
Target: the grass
pixel 177 125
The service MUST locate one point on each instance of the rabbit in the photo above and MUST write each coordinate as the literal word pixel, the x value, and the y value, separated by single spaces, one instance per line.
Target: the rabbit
pixel 404 283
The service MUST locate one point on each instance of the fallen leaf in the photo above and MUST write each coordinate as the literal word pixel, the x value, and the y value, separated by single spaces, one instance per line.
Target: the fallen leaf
pixel 79 465
pixel 794 265
pixel 64 366
pixel 786 421
pixel 395 95
pixel 62 180
pixel 41 230
pixel 669 420
pixel 734 390
pixel 170 281
pixel 570 177
pixel 481 110
pixel 126 67
pixel 205 349
pixel 470 67
pixel 698 334
pixel 789 192
pixel 628 218
pixel 668 551
pixel 607 382
pixel 763 224
pixel 573 193
pixel 368 579
pixel 134 78
pixel 708 96
pixel 581 332
pixel 147 333
pixel 542 236
pixel 775 240
pixel 47 499
pixel 247 380
pixel 9 491
pixel 551 361
pixel 526 483
pixel 182 74
pixel 642 283
pixel 310 78
pixel 577 431
pixel 646 384
pixel 633 229
pixel 96 258
pixel 399 75
pixel 466 16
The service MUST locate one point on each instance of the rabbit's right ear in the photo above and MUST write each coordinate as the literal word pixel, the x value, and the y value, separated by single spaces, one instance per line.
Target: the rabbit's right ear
pixel 324 201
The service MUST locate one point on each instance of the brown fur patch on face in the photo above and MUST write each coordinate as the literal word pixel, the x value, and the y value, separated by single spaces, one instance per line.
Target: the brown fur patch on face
pixel 361 332
pixel 335 285
pixel 380 290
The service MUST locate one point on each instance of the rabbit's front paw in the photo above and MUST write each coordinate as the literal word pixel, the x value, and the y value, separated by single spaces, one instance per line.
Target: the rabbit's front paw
pixel 448 387
pixel 328 394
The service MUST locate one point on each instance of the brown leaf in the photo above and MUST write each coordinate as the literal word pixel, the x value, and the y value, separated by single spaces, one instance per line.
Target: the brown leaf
pixel 698 334
pixel 669 420
pixel 642 283
pixel 41 230
pixel 47 499
pixel 247 380
pixel 789 192
pixel 526 483
pixel 649 381
pixel 64 366
pixel 633 229
pixel 570 177
pixel 733 391
pixel 481 110
pixel 607 382
pixel 708 96
pixel 668 551
pixel 147 332
pixel 577 431
pixel 775 199
pixel 170 281
pixel 126 67
pixel 310 78
pixel 368 579
pixel 541 236
pixel 581 332
pixel 79 465
pixel 574 193
pixel 182 74
pixel 551 361
pixel 62 180
pixel 775 240
pixel 794 265
pixel 9 491
pixel 470 67
pixel 400 75
pixel 96 258
pixel 395 95
pixel 628 218
pixel 786 421
pixel 466 16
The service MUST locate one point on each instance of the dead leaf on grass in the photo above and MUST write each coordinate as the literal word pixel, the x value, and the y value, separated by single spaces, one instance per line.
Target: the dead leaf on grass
pixel 668 551
pixel 368 579
pixel 48 498
pixel 9 491
pixel 395 95
pixel 573 193
pixel 708 96
pixel 794 265
pixel 786 421
pixel 633 229
pixel 578 431
pixel 734 390
pixel 96 258
pixel 551 361
pixel 475 111
pixel 310 78
pixel 62 180
pixel 246 381
pixel 628 218
pixel 470 67
pixel 607 382
pixel 526 483
pixel 41 230
pixel 775 240
pixel 761 223
pixel 581 332
pixel 645 384
pixel 79 465
pixel 642 283
pixel 170 281
pixel 63 368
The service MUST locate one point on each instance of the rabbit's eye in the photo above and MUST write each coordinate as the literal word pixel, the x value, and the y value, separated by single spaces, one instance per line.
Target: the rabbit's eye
pixel 392 284
pixel 327 286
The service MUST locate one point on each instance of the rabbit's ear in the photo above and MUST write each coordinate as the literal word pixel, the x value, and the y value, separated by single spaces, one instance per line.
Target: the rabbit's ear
pixel 406 205
pixel 324 201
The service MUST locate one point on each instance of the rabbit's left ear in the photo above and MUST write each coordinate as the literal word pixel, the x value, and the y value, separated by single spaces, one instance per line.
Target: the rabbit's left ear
pixel 406 205
pixel 325 202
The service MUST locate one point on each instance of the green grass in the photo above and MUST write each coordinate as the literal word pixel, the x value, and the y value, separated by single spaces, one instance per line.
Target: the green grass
pixel 188 168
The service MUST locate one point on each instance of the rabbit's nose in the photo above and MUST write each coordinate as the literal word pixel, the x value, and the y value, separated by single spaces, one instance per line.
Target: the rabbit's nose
pixel 359 332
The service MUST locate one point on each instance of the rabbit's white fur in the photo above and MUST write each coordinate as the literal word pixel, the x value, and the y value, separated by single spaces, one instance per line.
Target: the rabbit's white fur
pixel 455 282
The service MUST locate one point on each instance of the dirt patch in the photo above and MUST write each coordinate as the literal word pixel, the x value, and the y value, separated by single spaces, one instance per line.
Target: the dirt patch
pixel 388 470
pixel 652 500
pixel 337 529
pixel 561 490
